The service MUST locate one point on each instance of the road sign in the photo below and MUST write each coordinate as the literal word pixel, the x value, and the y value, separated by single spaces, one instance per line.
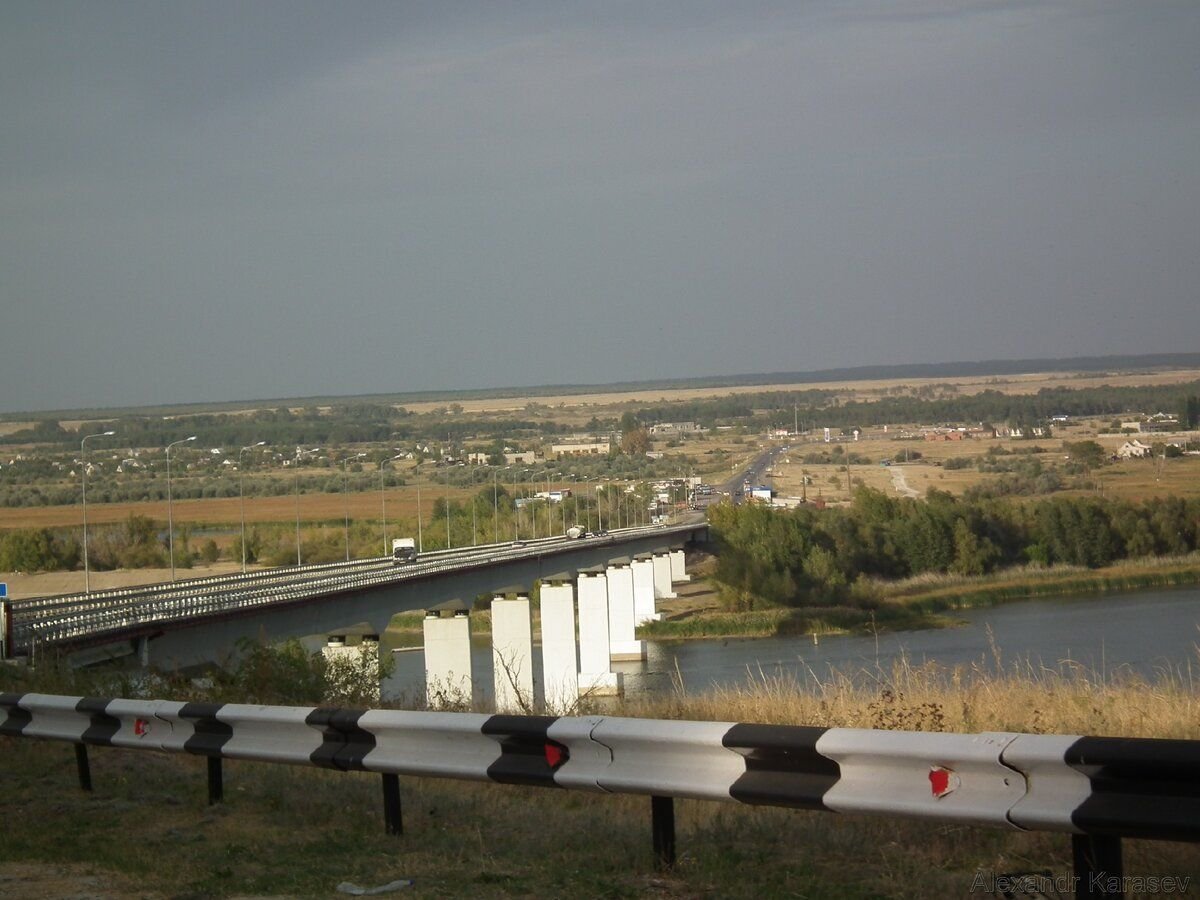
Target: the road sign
pixel 3 589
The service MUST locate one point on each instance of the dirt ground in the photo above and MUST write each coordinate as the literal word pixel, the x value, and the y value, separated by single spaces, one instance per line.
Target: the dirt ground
pixel 48 584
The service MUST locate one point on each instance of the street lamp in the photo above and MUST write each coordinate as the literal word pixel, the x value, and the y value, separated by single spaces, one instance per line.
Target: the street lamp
pixel 420 536
pixel 496 506
pixel 383 498
pixel 170 518
pixel 87 582
pixel 346 497
pixel 242 498
pixel 298 454
pixel 574 482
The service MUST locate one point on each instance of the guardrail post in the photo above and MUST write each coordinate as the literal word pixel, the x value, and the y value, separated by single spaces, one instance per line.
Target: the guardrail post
pixel 216 781
pixel 1098 868
pixel 662 824
pixel 393 823
pixel 85 770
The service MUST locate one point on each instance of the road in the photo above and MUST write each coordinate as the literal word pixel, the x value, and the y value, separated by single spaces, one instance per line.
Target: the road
pixel 901 485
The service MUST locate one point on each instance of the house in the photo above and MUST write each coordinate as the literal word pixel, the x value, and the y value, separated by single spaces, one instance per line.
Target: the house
pixel 1134 449
pixel 520 457
pixel 596 448
pixel 670 428
pixel 478 458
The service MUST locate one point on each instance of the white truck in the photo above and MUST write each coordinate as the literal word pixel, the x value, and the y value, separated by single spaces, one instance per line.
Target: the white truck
pixel 404 550
pixel 575 532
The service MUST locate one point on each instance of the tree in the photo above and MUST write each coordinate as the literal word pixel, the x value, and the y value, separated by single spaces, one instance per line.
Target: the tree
pixel 636 442
pixel 1189 411
pixel 1088 453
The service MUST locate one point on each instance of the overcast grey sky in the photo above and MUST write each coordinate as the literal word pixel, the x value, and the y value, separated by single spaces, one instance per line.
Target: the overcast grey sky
pixel 230 200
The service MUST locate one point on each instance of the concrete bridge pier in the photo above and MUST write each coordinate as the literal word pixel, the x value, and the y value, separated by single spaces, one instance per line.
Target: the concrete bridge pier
pixel 447 659
pixel 679 573
pixel 362 659
pixel 623 643
pixel 595 674
pixel 560 665
pixel 141 649
pixel 643 591
pixel 662 577
pixel 512 654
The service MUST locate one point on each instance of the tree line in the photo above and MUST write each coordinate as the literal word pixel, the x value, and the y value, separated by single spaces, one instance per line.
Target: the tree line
pixel 769 557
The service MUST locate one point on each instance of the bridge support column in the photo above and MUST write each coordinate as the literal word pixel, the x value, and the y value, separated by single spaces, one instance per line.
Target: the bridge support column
pixel 595 676
pixel 623 643
pixel 679 573
pixel 512 655
pixel 560 667
pixel 643 591
pixel 447 660
pixel 362 657
pixel 662 577
pixel 142 650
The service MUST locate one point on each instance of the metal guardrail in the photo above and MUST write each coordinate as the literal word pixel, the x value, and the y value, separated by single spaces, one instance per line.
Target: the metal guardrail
pixel 1097 789
pixel 39 622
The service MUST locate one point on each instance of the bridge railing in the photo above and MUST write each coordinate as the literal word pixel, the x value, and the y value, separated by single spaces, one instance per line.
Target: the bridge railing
pixel 43 621
pixel 1096 789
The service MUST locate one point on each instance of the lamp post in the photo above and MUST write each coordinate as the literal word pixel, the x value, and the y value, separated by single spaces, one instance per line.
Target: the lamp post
pixel 346 496
pixel 383 499
pixel 298 453
pixel 447 497
pixel 474 536
pixel 87 581
pixel 516 508
pixel 574 481
pixel 170 517
pixel 495 506
pixel 420 538
pixel 242 498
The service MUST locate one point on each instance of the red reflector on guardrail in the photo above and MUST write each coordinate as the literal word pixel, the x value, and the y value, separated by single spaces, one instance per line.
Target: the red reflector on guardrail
pixel 556 754
pixel 942 781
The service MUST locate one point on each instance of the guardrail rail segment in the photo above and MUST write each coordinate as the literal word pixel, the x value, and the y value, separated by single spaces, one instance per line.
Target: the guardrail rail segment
pixel 1097 789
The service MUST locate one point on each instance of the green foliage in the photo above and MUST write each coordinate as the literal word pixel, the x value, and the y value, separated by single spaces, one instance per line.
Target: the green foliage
pixel 770 558
pixel 274 674
pixel 37 550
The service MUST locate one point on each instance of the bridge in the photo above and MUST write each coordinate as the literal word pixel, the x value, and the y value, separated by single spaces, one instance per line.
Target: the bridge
pixel 192 622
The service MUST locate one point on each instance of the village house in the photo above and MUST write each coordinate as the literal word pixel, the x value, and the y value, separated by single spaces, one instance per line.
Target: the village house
pixel 1134 449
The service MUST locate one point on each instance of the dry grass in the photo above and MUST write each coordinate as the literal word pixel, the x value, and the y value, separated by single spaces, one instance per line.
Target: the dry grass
pixel 997 694
pixel 314 507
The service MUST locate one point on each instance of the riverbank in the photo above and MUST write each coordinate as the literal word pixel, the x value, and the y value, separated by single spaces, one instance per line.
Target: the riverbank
pixel 921 602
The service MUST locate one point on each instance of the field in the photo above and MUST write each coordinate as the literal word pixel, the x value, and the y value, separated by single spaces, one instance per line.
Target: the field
pixel 714 456
pixel 1135 479
pixel 866 389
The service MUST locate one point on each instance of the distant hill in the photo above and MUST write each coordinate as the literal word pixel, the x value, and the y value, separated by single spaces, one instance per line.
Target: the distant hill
pixel 1091 364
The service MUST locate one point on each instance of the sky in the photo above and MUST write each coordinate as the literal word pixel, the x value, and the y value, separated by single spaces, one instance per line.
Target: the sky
pixel 218 201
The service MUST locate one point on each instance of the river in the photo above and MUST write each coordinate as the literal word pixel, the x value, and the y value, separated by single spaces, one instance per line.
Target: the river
pixel 1147 633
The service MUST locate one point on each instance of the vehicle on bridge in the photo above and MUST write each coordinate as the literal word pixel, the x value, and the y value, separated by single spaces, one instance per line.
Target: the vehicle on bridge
pixel 576 531
pixel 404 550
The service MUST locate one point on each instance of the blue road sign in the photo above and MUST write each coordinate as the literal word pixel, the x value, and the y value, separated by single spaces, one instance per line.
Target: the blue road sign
pixel 3 589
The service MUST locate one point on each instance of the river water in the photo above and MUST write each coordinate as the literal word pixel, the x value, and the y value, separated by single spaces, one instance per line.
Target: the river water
pixel 1147 633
